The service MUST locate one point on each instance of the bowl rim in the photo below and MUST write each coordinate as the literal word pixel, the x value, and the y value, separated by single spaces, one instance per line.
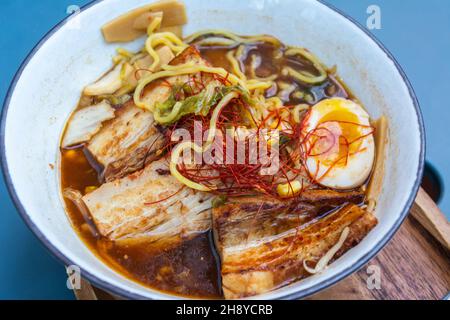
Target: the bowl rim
pixel 98 282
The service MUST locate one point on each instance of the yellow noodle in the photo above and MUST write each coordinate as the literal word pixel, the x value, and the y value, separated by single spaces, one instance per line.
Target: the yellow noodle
pixel 257 111
pixel 123 71
pixel 171 116
pixel 214 41
pixel 234 37
pixel 117 59
pixel 304 76
pixel 283 85
pixel 298 94
pixel 236 65
pixel 252 84
pixel 122 55
pixel 323 262
pixel 125 53
pixel 189 64
pixel 240 52
pixel 278 55
pixel 176 153
pixel 182 71
pixel 275 102
pixel 163 38
pixel 256 84
pixel 299 109
pixel 154 25
pixel 301 76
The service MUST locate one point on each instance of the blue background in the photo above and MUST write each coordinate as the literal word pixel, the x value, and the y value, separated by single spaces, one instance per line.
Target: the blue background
pixel 416 32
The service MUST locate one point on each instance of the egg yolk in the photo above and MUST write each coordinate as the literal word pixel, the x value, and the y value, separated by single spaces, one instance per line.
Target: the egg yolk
pixel 338 136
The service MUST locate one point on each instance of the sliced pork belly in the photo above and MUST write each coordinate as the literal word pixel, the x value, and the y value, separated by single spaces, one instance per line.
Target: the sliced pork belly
pixel 149 204
pixel 263 244
pixel 235 222
pixel 87 122
pixel 127 142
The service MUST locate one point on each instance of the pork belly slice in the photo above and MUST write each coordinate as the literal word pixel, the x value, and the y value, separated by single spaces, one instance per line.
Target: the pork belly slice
pixel 235 223
pixel 149 204
pixel 127 142
pixel 319 197
pixel 86 122
pixel 263 246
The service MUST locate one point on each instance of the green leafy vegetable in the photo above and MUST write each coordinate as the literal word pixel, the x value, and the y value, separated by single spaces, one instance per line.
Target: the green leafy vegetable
pixel 172 110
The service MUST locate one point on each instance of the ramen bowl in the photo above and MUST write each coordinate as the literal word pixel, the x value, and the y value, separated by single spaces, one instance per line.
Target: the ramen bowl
pixel 47 87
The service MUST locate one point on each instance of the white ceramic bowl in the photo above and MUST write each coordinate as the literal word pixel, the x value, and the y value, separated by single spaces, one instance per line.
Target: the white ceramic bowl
pixel 47 86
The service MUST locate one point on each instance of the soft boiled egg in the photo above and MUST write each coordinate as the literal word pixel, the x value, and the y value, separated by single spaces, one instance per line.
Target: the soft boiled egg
pixel 338 143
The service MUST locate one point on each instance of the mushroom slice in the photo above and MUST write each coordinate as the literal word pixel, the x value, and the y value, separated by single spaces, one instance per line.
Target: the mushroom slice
pixel 86 123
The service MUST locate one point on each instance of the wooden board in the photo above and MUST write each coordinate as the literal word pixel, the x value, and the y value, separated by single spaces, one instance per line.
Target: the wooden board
pixel 414 265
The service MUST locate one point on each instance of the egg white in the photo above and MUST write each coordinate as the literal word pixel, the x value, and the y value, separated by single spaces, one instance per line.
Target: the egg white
pixel 359 165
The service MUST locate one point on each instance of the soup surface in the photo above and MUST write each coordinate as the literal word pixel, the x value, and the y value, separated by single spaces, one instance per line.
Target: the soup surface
pixel 193 268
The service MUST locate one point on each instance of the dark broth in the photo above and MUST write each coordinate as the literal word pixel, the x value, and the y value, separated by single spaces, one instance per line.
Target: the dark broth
pixel 191 269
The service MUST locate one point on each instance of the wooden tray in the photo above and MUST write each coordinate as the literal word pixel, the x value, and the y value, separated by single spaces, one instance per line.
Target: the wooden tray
pixel 414 265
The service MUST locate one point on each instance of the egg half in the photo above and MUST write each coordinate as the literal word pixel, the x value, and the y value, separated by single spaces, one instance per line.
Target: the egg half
pixel 338 143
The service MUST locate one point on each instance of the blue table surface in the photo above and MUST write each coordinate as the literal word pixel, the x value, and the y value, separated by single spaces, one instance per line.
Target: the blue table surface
pixel 416 32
